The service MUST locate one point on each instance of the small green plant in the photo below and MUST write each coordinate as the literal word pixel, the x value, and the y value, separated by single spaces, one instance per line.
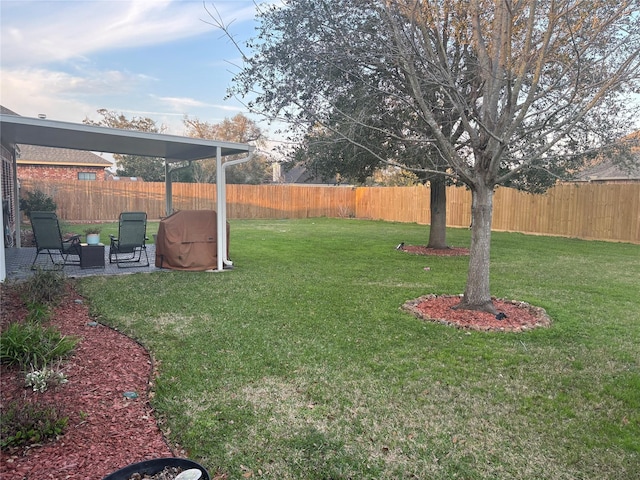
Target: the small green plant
pixel 38 313
pixel 24 423
pixel 93 230
pixel 41 380
pixel 32 344
pixel 37 201
pixel 44 287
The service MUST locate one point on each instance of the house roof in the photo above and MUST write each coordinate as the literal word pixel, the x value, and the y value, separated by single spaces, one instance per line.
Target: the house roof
pixel 607 171
pixel 4 109
pixel 301 175
pixel 36 155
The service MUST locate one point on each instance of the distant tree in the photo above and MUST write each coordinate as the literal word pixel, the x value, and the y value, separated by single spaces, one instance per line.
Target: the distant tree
pixel 393 177
pixel 500 92
pixel 150 169
pixel 237 129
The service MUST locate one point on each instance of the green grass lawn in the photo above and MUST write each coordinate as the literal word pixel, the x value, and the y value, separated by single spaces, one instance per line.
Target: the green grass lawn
pixel 299 363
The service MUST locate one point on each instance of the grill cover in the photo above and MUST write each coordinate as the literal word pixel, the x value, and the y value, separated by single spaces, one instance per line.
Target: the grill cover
pixel 187 240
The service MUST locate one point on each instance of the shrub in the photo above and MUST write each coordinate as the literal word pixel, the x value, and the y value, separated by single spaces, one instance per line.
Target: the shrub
pixel 31 344
pixel 25 423
pixel 37 201
pixel 44 287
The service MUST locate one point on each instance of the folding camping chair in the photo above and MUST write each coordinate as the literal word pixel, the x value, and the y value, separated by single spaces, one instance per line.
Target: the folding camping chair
pixel 128 246
pixel 46 232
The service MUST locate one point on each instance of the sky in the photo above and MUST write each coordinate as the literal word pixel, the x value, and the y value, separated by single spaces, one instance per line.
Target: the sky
pixel 146 58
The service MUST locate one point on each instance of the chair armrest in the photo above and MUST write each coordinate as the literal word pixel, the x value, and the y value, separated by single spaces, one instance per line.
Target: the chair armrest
pixel 73 240
pixel 72 245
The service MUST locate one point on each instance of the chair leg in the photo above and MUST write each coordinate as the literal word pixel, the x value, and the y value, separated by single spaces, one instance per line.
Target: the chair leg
pixel 67 261
pixel 33 264
pixel 133 258
pixel 56 266
pixel 116 257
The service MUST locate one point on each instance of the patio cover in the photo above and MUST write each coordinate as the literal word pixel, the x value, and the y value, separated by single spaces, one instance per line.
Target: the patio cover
pixel 15 129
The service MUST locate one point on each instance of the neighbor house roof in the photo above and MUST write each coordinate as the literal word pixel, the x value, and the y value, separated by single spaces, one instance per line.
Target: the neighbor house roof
pixel 608 172
pixel 6 111
pixel 299 174
pixel 36 155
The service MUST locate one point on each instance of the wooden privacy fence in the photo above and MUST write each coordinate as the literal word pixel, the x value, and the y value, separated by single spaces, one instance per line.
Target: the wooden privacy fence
pixel 589 211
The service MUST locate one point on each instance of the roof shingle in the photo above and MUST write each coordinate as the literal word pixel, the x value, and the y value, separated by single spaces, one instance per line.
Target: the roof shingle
pixel 59 156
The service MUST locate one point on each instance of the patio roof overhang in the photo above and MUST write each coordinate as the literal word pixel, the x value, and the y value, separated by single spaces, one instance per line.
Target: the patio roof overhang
pixel 15 130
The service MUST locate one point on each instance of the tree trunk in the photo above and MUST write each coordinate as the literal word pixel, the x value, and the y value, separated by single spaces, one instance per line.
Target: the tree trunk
pixel 477 294
pixel 438 230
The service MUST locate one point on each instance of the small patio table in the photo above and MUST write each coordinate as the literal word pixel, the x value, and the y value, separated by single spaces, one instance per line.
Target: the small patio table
pixel 91 256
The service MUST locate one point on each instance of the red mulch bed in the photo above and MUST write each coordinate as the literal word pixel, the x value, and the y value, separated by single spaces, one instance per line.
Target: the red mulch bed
pixel 519 316
pixel 513 316
pixel 106 431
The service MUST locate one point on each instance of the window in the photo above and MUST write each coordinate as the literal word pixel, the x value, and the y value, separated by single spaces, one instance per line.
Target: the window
pixel 86 175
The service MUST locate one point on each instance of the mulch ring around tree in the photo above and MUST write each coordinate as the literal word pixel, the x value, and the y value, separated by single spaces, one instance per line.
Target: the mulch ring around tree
pixel 513 316
pixel 438 252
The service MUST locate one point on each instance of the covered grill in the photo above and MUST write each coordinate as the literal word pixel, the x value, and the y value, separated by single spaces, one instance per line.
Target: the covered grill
pixel 186 240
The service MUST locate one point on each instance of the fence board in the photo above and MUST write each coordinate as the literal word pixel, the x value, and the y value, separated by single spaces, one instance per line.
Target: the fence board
pixel 590 211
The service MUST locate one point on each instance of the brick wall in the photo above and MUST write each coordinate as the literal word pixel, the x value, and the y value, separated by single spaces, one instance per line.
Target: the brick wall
pixel 57 172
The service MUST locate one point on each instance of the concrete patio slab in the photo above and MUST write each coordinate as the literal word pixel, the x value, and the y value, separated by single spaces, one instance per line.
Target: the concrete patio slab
pixel 19 260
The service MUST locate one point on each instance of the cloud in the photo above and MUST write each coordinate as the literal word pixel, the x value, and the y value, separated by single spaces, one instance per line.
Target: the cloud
pixel 185 104
pixel 30 91
pixel 40 81
pixel 36 31
pixel 181 104
pixel 51 55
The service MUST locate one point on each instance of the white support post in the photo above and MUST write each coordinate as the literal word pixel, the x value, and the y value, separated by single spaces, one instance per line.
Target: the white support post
pixel 221 202
pixel 168 191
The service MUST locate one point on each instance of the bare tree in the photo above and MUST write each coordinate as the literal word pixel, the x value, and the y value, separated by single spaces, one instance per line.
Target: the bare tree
pixel 237 129
pixel 507 92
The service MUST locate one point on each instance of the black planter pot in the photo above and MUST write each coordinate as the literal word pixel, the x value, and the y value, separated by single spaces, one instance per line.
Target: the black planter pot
pixel 151 467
